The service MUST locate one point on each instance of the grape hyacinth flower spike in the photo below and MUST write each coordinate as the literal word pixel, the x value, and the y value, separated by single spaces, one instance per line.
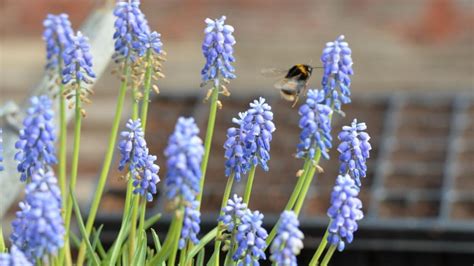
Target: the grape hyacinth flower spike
pixel 355 150
pixel 345 211
pixel 237 162
pixel 14 258
pixel 233 212
pixel 258 127
pixel 250 239
pixel 135 156
pixel 58 36
pixel 78 61
pixel 129 25
pixel 218 50
pixel 38 229
pixel 315 126
pixel 288 242
pixel 36 143
pixel 336 81
pixel 184 154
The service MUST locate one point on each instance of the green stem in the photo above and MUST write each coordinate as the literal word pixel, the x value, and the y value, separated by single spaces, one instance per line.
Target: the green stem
pixel 182 256
pixel 147 87
pixel 319 251
pixel 175 240
pixel 328 255
pixel 225 198
pixel 307 182
pixel 248 187
pixel 107 162
pixel 74 169
pixel 207 144
pixel 142 225
pixel 292 200
pixel 62 142
pixel 133 226
pixel 134 199
pixel 2 242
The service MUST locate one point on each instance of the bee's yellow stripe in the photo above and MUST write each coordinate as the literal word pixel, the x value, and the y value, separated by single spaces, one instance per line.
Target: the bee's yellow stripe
pixel 302 69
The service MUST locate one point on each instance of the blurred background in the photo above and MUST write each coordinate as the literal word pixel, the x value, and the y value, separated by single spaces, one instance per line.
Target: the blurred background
pixel 413 85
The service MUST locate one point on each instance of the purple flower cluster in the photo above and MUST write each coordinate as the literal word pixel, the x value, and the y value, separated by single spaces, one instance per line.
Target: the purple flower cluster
pixel 38 229
pixel 191 228
pixel 250 239
pixel 288 241
pixel 336 81
pixel 44 180
pixel 36 143
pixel 78 61
pixel 217 49
pixel 345 211
pixel 258 127
pixel 149 40
pixel 315 126
pixel 355 149
pixel 58 36
pixel 14 258
pixel 1 150
pixel 135 156
pixel 131 27
pixel 184 153
pixel 237 161
pixel 233 212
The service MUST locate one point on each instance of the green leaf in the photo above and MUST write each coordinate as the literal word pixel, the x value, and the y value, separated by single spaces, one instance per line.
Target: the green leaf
pixel 90 251
pixel 140 253
pixel 152 220
pixel 75 239
pixel 202 243
pixel 156 240
pixel 2 243
pixel 117 246
pixel 96 235
pixel 200 258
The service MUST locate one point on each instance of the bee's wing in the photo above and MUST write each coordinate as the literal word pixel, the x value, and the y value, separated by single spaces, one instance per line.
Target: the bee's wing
pixel 273 72
pixel 287 84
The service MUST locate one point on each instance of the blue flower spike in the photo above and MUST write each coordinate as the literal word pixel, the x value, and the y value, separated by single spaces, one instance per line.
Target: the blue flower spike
pixel 354 150
pixel 250 239
pixel 184 154
pixel 345 211
pixel 130 25
pixel 237 162
pixel 191 224
pixel 258 127
pixel 14 258
pixel 233 212
pixel 315 126
pixel 38 230
pixel 78 61
pixel 336 81
pixel 288 241
pixel 58 36
pixel 135 157
pixel 36 143
pixel 217 48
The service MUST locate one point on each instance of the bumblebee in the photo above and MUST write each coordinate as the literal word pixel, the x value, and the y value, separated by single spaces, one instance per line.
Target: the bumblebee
pixel 294 82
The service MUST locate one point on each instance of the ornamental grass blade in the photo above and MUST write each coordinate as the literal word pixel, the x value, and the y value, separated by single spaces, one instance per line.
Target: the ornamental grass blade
pixel 200 258
pixel 90 251
pixel 96 239
pixel 202 243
